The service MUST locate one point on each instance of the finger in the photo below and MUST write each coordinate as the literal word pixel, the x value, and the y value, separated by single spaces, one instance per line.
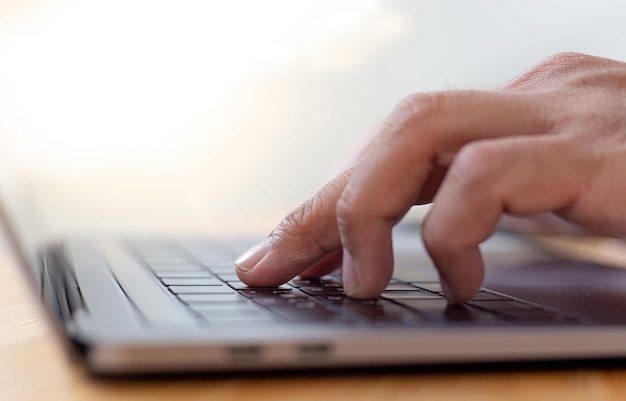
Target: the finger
pixel 424 131
pixel 327 265
pixel 303 238
pixel 517 175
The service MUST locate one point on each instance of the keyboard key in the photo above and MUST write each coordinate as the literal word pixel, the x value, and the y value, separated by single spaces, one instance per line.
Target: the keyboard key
pixel 299 282
pixel 224 306
pixel 323 290
pixel 202 298
pixel 215 315
pixel 415 294
pixel 280 301
pixel 230 276
pixel 215 256
pixel 181 274
pixel 261 292
pixel 434 306
pixel 380 311
pixel 399 286
pixel 309 311
pixel 239 285
pixel 205 246
pixel 326 281
pixel 191 281
pixel 165 258
pixel 432 286
pixel 177 267
pixel 334 298
pixel 223 268
pixel 292 294
pixel 201 289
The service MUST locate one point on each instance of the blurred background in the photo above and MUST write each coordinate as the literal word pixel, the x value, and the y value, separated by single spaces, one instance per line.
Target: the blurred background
pixel 199 116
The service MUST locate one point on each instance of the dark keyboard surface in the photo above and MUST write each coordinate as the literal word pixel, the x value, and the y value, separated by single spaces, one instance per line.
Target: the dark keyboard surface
pixel 200 274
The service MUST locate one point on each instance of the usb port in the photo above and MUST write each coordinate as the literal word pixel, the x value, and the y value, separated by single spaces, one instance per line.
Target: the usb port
pixel 245 351
pixel 314 349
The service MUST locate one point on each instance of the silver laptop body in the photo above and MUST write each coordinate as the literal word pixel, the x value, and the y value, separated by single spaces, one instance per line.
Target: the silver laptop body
pixel 165 305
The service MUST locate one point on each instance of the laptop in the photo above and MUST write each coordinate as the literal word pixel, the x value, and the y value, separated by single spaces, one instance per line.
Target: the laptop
pixel 129 306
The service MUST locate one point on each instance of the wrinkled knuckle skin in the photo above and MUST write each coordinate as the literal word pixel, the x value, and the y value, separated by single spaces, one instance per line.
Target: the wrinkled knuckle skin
pixel 565 60
pixel 296 224
pixel 553 69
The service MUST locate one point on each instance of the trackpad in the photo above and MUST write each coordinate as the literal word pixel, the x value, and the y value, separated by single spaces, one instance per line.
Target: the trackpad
pixel 598 292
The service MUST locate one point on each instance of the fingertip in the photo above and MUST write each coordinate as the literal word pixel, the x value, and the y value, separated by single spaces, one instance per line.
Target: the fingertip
pixel 250 258
pixel 457 295
pixel 461 268
pixel 249 265
pixel 461 275
pixel 351 282
pixel 361 281
pixel 276 260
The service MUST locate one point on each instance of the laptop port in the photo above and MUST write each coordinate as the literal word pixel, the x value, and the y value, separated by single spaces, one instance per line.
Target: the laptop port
pixel 245 351
pixel 314 349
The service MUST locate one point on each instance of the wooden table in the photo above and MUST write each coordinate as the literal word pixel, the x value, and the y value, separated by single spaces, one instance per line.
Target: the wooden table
pixel 33 366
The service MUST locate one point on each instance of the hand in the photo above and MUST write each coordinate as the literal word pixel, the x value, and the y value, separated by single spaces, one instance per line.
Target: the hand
pixel 551 140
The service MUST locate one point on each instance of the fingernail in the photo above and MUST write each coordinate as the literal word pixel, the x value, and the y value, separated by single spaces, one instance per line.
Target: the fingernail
pixel 351 284
pixel 250 258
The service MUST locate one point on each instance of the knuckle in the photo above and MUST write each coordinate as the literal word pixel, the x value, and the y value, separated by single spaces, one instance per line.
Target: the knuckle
pixel 563 59
pixel 477 161
pixel 419 107
pixel 348 207
pixel 552 69
pixel 438 239
pixel 559 64
pixel 298 223
pixel 431 238
pixel 427 104
pixel 305 226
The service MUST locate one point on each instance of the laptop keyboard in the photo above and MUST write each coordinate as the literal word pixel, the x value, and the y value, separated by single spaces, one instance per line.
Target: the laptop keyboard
pixel 200 275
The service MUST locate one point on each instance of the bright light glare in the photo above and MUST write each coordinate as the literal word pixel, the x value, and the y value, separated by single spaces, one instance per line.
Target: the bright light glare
pixel 105 78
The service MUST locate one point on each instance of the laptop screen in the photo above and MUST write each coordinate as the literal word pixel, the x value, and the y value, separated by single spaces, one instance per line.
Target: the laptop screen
pixel 22 224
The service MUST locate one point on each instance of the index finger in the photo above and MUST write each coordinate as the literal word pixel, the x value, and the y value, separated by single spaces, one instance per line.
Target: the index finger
pixel 304 237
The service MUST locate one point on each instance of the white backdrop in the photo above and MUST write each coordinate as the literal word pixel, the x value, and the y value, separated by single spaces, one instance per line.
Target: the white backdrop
pixel 152 115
